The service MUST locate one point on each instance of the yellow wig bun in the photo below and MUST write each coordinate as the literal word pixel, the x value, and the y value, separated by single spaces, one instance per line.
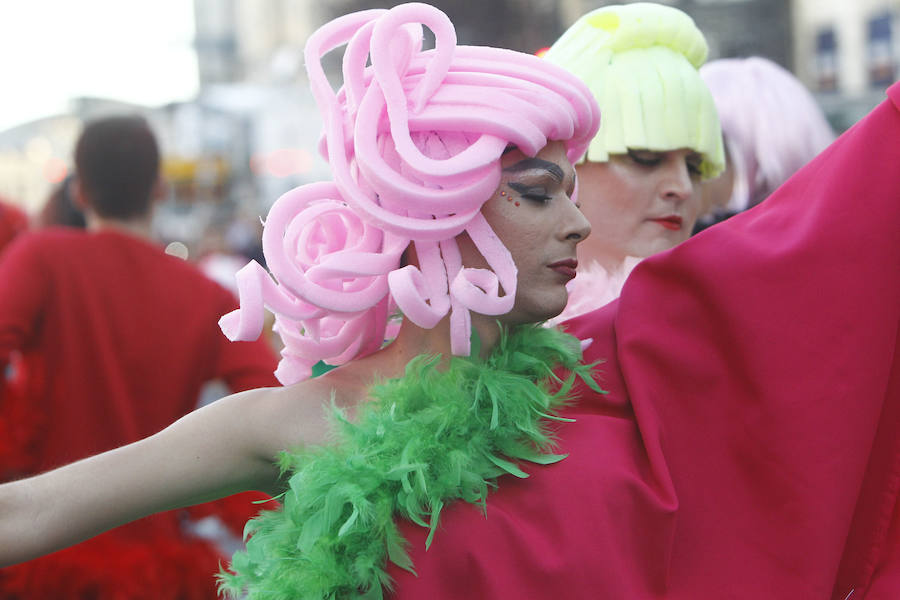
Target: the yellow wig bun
pixel 640 61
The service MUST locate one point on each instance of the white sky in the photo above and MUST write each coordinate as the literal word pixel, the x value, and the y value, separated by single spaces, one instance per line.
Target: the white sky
pixel 54 50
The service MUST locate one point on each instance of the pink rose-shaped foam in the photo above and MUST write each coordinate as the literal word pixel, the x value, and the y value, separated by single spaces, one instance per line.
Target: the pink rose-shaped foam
pixel 327 264
pixel 317 247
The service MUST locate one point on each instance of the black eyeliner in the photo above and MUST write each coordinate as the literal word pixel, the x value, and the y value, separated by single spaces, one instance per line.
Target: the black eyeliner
pixel 531 192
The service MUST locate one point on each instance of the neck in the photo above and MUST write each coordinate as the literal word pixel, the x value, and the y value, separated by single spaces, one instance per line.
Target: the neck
pixel 138 227
pixel 611 259
pixel 413 340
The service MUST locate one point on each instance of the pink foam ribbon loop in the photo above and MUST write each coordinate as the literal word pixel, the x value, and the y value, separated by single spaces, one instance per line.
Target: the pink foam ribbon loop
pixel 291 370
pixel 460 318
pixel 460 330
pixel 439 59
pixel 479 289
pixel 257 291
pixel 423 299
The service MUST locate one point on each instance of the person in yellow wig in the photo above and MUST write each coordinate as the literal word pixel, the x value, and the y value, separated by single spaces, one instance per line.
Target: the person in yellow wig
pixel 659 137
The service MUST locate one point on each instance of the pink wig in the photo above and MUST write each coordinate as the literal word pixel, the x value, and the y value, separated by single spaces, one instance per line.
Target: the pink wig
pixel 414 139
pixel 771 124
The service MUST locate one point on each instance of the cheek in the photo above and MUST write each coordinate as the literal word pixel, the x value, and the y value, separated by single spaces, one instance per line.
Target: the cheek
pixel 612 195
pixel 512 224
pixel 697 204
pixel 612 216
pixel 498 211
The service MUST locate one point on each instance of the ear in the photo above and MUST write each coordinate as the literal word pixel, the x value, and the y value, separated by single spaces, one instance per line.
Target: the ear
pixel 79 197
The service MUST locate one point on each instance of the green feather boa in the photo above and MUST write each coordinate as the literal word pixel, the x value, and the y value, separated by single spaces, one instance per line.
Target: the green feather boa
pixel 426 439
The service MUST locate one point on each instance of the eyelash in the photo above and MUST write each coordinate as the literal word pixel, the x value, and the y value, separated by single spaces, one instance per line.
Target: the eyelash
pixel 532 193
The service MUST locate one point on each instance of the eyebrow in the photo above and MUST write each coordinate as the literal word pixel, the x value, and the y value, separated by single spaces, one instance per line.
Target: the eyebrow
pixel 537 163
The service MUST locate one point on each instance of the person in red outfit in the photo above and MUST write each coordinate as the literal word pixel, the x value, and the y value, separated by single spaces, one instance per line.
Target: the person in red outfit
pixel 118 339
pixel 13 221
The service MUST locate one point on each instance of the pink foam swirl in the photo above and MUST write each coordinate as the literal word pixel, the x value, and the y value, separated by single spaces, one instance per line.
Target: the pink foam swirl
pixel 330 280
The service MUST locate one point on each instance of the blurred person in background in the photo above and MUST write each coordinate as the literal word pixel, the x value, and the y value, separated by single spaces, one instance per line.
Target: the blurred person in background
pixel 771 126
pixel 659 137
pixel 13 221
pixel 61 208
pixel 118 338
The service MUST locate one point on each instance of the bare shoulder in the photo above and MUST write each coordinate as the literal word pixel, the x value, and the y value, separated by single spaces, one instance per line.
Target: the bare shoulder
pixel 275 419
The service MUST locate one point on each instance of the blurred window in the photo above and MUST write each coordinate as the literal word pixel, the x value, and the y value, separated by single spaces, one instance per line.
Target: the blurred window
pixel 880 51
pixel 826 60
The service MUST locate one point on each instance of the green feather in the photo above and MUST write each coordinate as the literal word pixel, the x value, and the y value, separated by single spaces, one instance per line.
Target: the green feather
pixel 425 440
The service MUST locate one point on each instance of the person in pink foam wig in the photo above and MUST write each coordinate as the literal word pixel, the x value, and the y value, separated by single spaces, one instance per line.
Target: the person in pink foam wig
pixel 452 201
pixel 417 144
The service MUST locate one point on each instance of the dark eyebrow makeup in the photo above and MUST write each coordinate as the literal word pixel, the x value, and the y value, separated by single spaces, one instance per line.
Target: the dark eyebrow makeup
pixel 536 163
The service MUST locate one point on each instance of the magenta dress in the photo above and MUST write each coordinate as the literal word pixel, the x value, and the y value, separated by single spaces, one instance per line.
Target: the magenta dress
pixel 749 446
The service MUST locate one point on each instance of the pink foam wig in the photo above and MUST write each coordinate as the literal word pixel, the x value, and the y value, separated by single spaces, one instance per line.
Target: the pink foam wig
pixel 771 123
pixel 413 139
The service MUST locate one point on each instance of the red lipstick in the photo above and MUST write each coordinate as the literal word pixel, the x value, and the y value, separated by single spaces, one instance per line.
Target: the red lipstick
pixel 673 222
pixel 565 267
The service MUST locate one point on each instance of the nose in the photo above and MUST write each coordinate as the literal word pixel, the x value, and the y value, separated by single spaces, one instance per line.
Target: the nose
pixel 575 226
pixel 676 184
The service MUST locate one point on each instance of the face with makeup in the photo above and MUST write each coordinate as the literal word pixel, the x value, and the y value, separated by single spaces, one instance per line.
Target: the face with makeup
pixel 639 203
pixel 534 216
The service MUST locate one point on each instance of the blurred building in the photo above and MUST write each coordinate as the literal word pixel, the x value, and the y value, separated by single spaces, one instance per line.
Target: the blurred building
pixel 250 59
pixel 259 42
pixel 847 52
pixel 523 25
pixel 252 131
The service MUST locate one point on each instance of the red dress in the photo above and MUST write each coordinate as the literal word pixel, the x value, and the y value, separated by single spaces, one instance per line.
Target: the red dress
pixel 117 338
pixel 749 446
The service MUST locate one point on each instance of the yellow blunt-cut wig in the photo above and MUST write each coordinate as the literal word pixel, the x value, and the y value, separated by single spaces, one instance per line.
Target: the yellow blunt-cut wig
pixel 640 61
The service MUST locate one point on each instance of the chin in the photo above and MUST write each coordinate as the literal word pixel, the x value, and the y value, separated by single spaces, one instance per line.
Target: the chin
pixel 538 307
pixel 547 311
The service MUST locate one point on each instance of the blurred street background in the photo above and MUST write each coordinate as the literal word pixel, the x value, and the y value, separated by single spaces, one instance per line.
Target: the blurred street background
pixel 223 85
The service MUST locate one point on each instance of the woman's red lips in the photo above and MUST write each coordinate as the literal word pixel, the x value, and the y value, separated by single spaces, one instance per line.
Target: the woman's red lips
pixel 565 267
pixel 672 222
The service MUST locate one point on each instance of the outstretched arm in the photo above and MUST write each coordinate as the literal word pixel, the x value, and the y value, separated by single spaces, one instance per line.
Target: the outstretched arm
pixel 224 448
